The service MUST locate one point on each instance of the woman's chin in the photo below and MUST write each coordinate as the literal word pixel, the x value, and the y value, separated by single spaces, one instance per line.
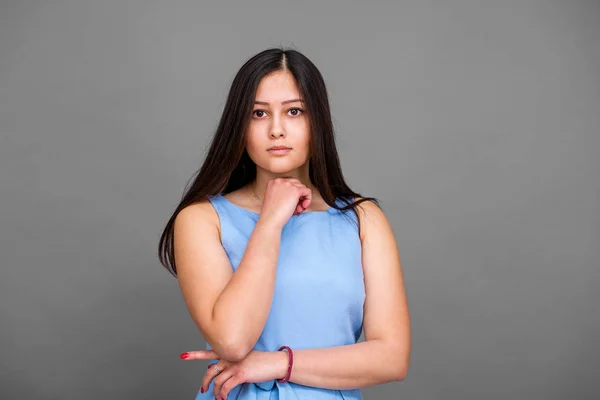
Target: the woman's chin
pixel 280 166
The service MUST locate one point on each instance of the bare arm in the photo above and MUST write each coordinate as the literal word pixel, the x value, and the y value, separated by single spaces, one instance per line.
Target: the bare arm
pixel 352 366
pixel 385 355
pixel 230 309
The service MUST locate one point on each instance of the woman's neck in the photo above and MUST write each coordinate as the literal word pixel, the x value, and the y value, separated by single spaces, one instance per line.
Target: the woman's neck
pixel 259 186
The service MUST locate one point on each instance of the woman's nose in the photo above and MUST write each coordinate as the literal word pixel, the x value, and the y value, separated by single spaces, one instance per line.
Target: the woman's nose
pixel 276 128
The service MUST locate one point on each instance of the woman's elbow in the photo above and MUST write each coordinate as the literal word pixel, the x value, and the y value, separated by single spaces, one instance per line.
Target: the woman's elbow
pixel 402 368
pixel 233 352
pixel 401 362
pixel 401 373
pixel 235 355
pixel 228 348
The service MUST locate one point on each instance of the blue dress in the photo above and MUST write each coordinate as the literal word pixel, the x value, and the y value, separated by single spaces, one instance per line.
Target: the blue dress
pixel 318 296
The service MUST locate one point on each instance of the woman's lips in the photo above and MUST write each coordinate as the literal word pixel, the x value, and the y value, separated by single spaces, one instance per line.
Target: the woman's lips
pixel 279 151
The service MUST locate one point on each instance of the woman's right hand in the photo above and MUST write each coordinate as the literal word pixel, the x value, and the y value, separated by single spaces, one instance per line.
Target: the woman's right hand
pixel 283 198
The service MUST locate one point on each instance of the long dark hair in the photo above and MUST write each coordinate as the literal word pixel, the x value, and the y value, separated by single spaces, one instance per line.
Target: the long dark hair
pixel 228 166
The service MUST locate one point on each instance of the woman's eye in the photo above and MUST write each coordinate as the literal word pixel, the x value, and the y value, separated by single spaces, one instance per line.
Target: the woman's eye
pixel 293 111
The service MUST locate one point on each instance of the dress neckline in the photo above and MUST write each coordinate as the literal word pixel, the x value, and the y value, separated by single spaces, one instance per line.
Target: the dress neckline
pixel 330 210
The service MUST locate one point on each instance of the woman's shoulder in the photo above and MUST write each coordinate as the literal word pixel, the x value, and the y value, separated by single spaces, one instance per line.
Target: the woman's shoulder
pixel 200 213
pixel 370 216
pixel 367 205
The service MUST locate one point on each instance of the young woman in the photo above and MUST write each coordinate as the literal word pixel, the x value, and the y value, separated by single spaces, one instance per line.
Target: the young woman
pixel 280 263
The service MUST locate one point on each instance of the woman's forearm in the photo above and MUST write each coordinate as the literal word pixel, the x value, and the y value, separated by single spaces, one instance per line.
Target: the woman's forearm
pixel 348 367
pixel 243 306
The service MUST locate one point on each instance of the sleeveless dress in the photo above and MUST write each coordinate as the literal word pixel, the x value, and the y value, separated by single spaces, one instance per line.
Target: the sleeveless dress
pixel 318 296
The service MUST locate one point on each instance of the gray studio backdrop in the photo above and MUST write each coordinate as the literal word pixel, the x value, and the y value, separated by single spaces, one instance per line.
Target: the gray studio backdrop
pixel 476 123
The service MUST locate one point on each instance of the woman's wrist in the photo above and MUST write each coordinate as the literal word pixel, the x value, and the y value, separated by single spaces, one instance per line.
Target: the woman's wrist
pixel 268 225
pixel 290 355
pixel 282 363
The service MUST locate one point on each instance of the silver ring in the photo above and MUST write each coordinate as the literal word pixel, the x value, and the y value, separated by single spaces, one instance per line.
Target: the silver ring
pixel 216 368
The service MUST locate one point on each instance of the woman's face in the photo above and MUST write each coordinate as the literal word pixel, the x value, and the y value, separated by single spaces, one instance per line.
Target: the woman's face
pixel 278 119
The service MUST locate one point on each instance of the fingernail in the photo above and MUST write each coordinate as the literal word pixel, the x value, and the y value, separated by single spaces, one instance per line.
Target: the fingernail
pixel 209 365
pixel 184 355
pixel 201 390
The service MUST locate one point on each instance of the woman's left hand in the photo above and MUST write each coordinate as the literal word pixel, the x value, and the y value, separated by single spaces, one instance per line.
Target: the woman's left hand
pixel 257 366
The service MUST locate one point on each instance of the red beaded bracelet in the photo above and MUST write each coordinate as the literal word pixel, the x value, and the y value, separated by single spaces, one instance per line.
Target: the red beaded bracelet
pixel 290 363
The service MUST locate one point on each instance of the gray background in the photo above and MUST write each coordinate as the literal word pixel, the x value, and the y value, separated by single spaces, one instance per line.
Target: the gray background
pixel 475 122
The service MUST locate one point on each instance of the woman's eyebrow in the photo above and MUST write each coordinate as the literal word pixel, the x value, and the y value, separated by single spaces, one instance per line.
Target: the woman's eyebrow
pixel 283 102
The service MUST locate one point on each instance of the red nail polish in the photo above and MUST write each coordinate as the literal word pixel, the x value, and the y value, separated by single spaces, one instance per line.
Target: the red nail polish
pixel 201 390
pixel 184 355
